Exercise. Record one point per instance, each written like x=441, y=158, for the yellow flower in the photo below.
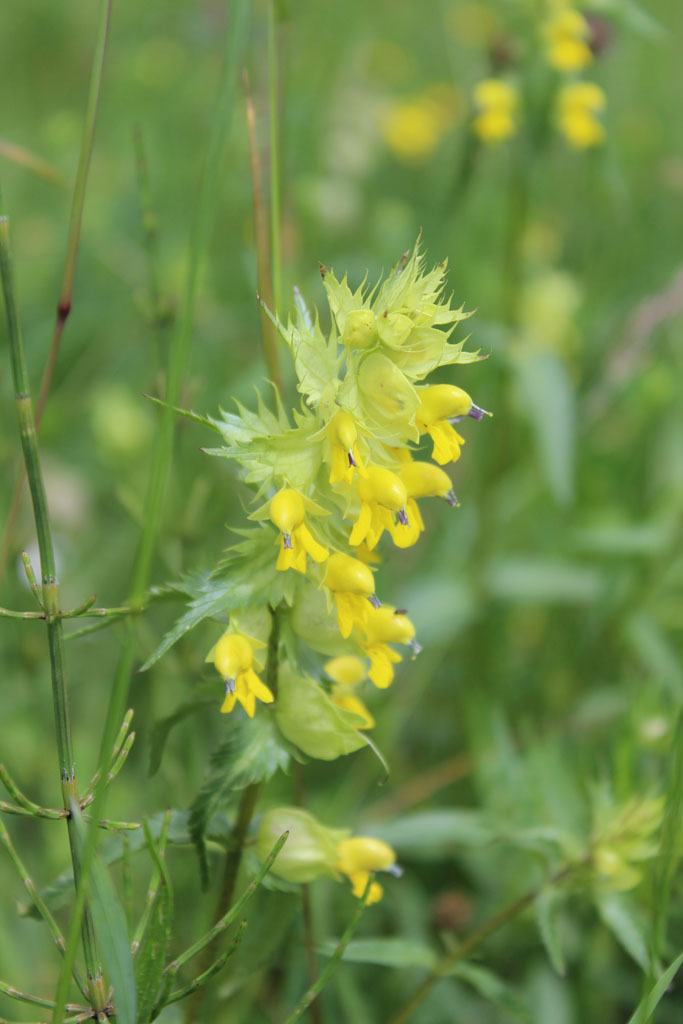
x=412, y=130
x=422, y=480
x=352, y=584
x=233, y=656
x=567, y=34
x=496, y=103
x=439, y=404
x=381, y=494
x=342, y=432
x=361, y=855
x=579, y=105
x=287, y=512
x=348, y=671
x=384, y=626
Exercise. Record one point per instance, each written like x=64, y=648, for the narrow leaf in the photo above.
x=648, y=1004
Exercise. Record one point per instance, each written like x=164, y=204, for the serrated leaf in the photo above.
x=622, y=918
x=648, y=1004
x=251, y=752
x=431, y=834
x=548, y=398
x=545, y=907
x=151, y=957
x=112, y=932
x=384, y=952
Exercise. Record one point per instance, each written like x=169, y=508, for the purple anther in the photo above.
x=287, y=540
x=415, y=647
x=396, y=870
x=452, y=500
x=403, y=518
x=230, y=686
x=477, y=413
x=375, y=601
x=352, y=461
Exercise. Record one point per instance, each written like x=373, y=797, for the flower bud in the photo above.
x=360, y=329
x=347, y=670
x=310, y=850
x=441, y=402
x=382, y=487
x=349, y=575
x=343, y=430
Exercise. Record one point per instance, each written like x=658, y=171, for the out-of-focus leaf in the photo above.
x=548, y=397
x=252, y=752
x=384, y=952
x=493, y=989
x=634, y=16
x=545, y=906
x=671, y=841
x=621, y=916
x=533, y=579
x=656, y=652
x=151, y=956
x=162, y=728
x=623, y=538
x=649, y=1003
x=430, y=834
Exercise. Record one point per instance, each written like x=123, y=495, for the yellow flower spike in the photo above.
x=345, y=458
x=347, y=670
x=361, y=855
x=579, y=105
x=384, y=626
x=438, y=405
x=233, y=656
x=567, y=35
x=381, y=493
x=352, y=584
x=287, y=512
x=496, y=103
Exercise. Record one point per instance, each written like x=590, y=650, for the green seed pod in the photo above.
x=310, y=720
x=310, y=850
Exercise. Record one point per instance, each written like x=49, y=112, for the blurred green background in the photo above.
x=548, y=605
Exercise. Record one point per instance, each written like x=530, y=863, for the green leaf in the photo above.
x=656, y=652
x=648, y=1004
x=545, y=906
x=384, y=952
x=548, y=397
x=151, y=957
x=493, y=989
x=431, y=834
x=162, y=728
x=112, y=932
x=621, y=916
x=252, y=752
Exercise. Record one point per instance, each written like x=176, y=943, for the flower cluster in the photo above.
x=341, y=478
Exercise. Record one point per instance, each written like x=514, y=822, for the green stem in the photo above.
x=462, y=952
x=317, y=987
x=275, y=235
x=50, y=591
x=235, y=37
x=73, y=240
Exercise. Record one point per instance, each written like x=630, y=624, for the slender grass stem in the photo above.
x=160, y=312
x=50, y=593
x=462, y=952
x=206, y=975
x=306, y=909
x=275, y=229
x=316, y=988
x=73, y=241
x=235, y=36
x=23, y=997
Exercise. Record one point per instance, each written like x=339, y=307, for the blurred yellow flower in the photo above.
x=567, y=35
x=496, y=103
x=578, y=107
x=359, y=856
x=348, y=671
x=413, y=129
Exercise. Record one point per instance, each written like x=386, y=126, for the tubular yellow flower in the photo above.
x=437, y=405
x=384, y=626
x=233, y=656
x=567, y=35
x=579, y=105
x=361, y=855
x=381, y=493
x=287, y=512
x=352, y=584
x=496, y=102
x=348, y=671
x=342, y=433
x=422, y=480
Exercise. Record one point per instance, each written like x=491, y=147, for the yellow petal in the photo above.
x=317, y=552
x=228, y=704
x=258, y=688
x=362, y=525
x=381, y=670
x=286, y=558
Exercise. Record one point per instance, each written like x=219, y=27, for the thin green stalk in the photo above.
x=462, y=952
x=317, y=987
x=50, y=591
x=159, y=311
x=306, y=908
x=73, y=240
x=273, y=79
x=235, y=36
x=23, y=997
x=206, y=975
